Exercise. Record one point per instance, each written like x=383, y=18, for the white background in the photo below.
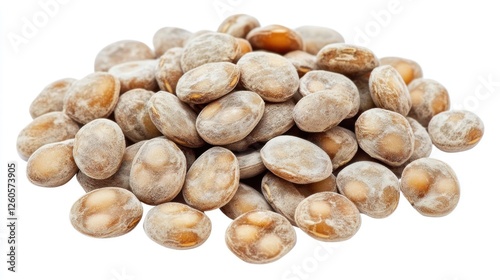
x=455, y=42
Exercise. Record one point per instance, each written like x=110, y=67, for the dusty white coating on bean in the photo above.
x=121, y=51
x=121, y=179
x=431, y=186
x=48, y=128
x=51, y=98
x=230, y=118
x=271, y=76
x=136, y=74
x=319, y=80
x=52, y=165
x=167, y=38
x=212, y=180
x=407, y=68
x=456, y=131
x=316, y=37
x=388, y=90
x=158, y=171
x=209, y=47
x=296, y=160
x=250, y=163
x=245, y=199
x=95, y=96
x=347, y=59
x=385, y=135
x=372, y=187
x=339, y=143
x=99, y=148
x=207, y=82
x=423, y=143
x=365, y=98
x=260, y=236
x=175, y=119
x=177, y=226
x=328, y=216
x=106, y=212
x=429, y=98
x=238, y=25
x=169, y=70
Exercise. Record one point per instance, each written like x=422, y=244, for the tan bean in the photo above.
x=275, y=38
x=260, y=236
x=428, y=98
x=158, y=171
x=106, y=212
x=328, y=216
x=245, y=200
x=51, y=98
x=431, y=186
x=131, y=114
x=245, y=48
x=167, y=38
x=95, y=96
x=322, y=110
x=238, y=25
x=407, y=68
x=385, y=135
x=120, y=52
x=177, y=226
x=372, y=187
x=209, y=47
x=121, y=179
x=270, y=75
x=456, y=131
x=302, y=61
x=423, y=143
x=207, y=82
x=316, y=37
x=212, y=180
x=52, y=165
x=319, y=80
x=389, y=91
x=169, y=70
x=99, y=148
x=230, y=118
x=175, y=119
x=136, y=74
x=48, y=128
x=339, y=143
x=250, y=163
x=296, y=160
x=365, y=98
x=346, y=59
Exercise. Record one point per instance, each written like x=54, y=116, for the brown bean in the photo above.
x=339, y=143
x=169, y=70
x=316, y=37
x=328, y=216
x=212, y=180
x=209, y=47
x=175, y=119
x=245, y=48
x=302, y=61
x=52, y=165
x=158, y=171
x=136, y=74
x=245, y=199
x=230, y=118
x=456, y=131
x=428, y=98
x=431, y=186
x=167, y=38
x=275, y=38
x=120, y=52
x=121, y=179
x=346, y=59
x=99, y=148
x=51, y=98
x=296, y=160
x=95, y=96
x=106, y=212
x=389, y=91
x=177, y=226
x=131, y=114
x=407, y=68
x=48, y=128
x=270, y=75
x=260, y=236
x=207, y=82
x=372, y=187
x=238, y=25
x=385, y=135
